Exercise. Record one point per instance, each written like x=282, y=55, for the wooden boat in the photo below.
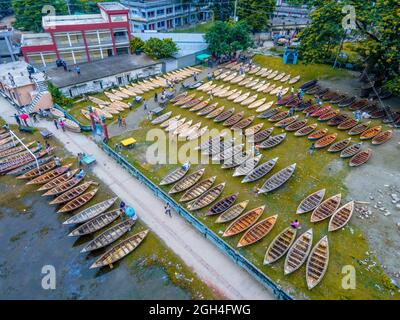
x=230, y=77
x=215, y=113
x=207, y=109
x=278, y=179
x=341, y=217
x=311, y=202
x=192, y=103
x=162, y=118
x=120, y=250
x=326, y=208
x=245, y=81
x=112, y=96
x=14, y=150
x=311, y=109
x=261, y=135
x=238, y=79
x=243, y=222
x=249, y=100
x=247, y=166
x=29, y=166
x=253, y=129
x=252, y=83
x=273, y=141
x=254, y=70
x=257, y=103
x=242, y=97
x=235, y=95
x=243, y=123
x=36, y=172
x=187, y=182
x=263, y=87
x=306, y=130
x=50, y=175
x=318, y=134
x=370, y=133
x=325, y=141
x=358, y=129
x=56, y=113
x=207, y=197
x=200, y=106
x=218, y=147
x=233, y=119
x=317, y=263
x=346, y=102
x=228, y=153
x=360, y=158
x=272, y=75
x=72, y=193
x=10, y=166
x=351, y=150
x=295, y=126
x=61, y=188
x=382, y=137
x=279, y=116
x=258, y=85
x=260, y=171
x=279, y=76
x=189, y=131
x=280, y=245
x=175, y=175
x=285, y=78
x=5, y=140
x=235, y=160
x=276, y=90
x=285, y=122
x=269, y=113
x=298, y=252
x=102, y=112
x=335, y=121
x=20, y=155
x=58, y=181
x=224, y=115
x=182, y=128
x=329, y=115
x=348, y=124
x=265, y=106
x=309, y=84
x=340, y=145
x=183, y=95
x=197, y=133
x=184, y=100
x=294, y=80
x=9, y=145
x=257, y=231
x=320, y=111
x=198, y=189
x=78, y=201
x=95, y=224
x=210, y=142
x=72, y=125
x=222, y=205
x=227, y=93
x=233, y=212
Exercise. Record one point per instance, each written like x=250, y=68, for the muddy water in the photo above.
x=32, y=236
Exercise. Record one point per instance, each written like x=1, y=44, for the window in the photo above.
x=120, y=35
x=178, y=8
x=76, y=39
x=49, y=57
x=118, y=18
x=151, y=26
x=170, y=10
x=91, y=37
x=61, y=39
x=169, y=24
x=160, y=12
x=35, y=60
x=150, y=14
x=80, y=56
x=160, y=24
x=95, y=54
x=178, y=21
x=67, y=56
x=105, y=37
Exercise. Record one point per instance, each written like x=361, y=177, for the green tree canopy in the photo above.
x=255, y=13
x=136, y=44
x=226, y=38
x=222, y=9
x=160, y=48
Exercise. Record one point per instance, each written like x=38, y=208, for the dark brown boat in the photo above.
x=311, y=109
x=261, y=136
x=296, y=125
x=346, y=102
x=326, y=208
x=329, y=115
x=224, y=115
x=357, y=105
x=360, y=158
x=306, y=130
x=243, y=124
x=279, y=116
x=273, y=141
x=351, y=150
x=340, y=145
x=318, y=134
x=233, y=119
x=222, y=205
x=319, y=112
x=360, y=128
x=285, y=122
x=382, y=137
x=338, y=120
x=348, y=124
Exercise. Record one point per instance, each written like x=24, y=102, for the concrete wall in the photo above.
x=99, y=85
x=21, y=96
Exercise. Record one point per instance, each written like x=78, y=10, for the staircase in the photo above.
x=41, y=88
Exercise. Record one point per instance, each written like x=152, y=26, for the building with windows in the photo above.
x=162, y=15
x=78, y=39
x=9, y=50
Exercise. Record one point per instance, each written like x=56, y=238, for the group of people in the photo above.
x=127, y=211
x=59, y=123
x=121, y=121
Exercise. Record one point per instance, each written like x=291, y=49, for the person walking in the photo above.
x=167, y=210
x=291, y=112
x=145, y=105
x=195, y=76
x=119, y=121
x=79, y=158
x=311, y=149
x=155, y=97
x=123, y=122
x=17, y=119
x=55, y=123
x=62, y=125
x=78, y=70
x=292, y=92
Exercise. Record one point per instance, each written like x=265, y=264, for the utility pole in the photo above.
x=235, y=18
x=69, y=9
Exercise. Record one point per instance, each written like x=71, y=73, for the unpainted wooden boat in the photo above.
x=285, y=122
x=311, y=202
x=265, y=107
x=78, y=201
x=340, y=145
x=370, y=133
x=296, y=125
x=351, y=150
x=269, y=113
x=382, y=137
x=184, y=100
x=279, y=116
x=162, y=118
x=318, y=134
x=71, y=125
x=222, y=205
x=120, y=250
x=50, y=175
x=260, y=171
x=253, y=129
x=358, y=129
x=341, y=217
x=276, y=91
x=326, y=208
x=233, y=119
x=218, y=147
x=187, y=182
x=245, y=81
x=10, y=166
x=243, y=123
x=360, y=158
x=286, y=78
x=192, y=103
x=184, y=94
x=36, y=172
x=9, y=145
x=280, y=245
x=29, y=166
x=348, y=124
x=261, y=136
x=14, y=150
x=249, y=100
x=200, y=106
x=247, y=166
x=56, y=113
x=215, y=113
x=175, y=175
x=224, y=115
x=206, y=198
x=244, y=222
x=325, y=141
x=233, y=212
x=228, y=153
x=236, y=160
x=278, y=179
x=257, y=231
x=273, y=141
x=294, y=79
x=198, y=189
x=169, y=121
x=63, y=187
x=317, y=263
x=242, y=97
x=197, y=133
x=72, y=193
x=208, y=109
x=182, y=128
x=298, y=252
x=272, y=75
x=235, y=95
x=59, y=180
x=306, y=130
x=19, y=155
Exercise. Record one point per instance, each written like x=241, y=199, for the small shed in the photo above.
x=290, y=56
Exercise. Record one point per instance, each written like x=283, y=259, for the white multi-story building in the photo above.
x=162, y=15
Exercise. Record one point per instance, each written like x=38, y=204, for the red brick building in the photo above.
x=79, y=38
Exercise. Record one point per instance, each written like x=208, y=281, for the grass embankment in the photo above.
x=322, y=170
x=151, y=252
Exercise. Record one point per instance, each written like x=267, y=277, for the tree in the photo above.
x=5, y=6
x=28, y=13
x=136, y=44
x=160, y=48
x=58, y=97
x=255, y=13
x=222, y=10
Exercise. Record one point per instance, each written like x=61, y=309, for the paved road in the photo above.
x=211, y=265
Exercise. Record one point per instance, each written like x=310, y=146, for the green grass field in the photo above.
x=322, y=170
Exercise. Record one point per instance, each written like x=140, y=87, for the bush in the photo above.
x=58, y=97
x=160, y=48
x=136, y=44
